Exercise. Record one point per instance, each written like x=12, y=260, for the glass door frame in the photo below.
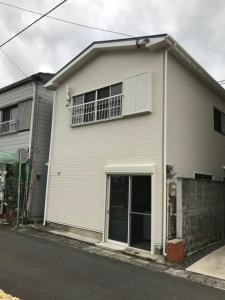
x=107, y=210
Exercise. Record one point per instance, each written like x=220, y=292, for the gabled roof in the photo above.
x=38, y=77
x=95, y=47
x=153, y=42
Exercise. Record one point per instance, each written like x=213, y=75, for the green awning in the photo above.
x=7, y=158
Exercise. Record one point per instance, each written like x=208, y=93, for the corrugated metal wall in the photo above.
x=40, y=147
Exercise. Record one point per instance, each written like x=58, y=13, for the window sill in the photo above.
x=97, y=122
x=8, y=133
x=139, y=113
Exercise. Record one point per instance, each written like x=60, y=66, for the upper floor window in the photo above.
x=219, y=121
x=97, y=105
x=9, y=117
x=15, y=118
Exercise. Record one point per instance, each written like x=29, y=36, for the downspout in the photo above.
x=49, y=160
x=32, y=117
x=164, y=153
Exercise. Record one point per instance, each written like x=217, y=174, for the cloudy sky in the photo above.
x=198, y=25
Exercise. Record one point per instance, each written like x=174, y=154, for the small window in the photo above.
x=9, y=118
x=203, y=176
x=219, y=121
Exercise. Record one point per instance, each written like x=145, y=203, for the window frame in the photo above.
x=95, y=104
x=217, y=117
x=9, y=109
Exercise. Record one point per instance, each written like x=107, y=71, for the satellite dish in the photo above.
x=22, y=155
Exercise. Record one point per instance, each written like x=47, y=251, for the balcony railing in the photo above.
x=7, y=127
x=98, y=110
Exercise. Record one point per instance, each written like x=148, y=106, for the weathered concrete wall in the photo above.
x=203, y=213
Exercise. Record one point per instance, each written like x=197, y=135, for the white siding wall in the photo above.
x=76, y=196
x=192, y=143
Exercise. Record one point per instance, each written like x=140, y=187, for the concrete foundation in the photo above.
x=77, y=231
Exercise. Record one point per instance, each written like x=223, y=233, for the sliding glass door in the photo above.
x=118, y=208
x=129, y=218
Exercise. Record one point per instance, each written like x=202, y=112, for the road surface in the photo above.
x=33, y=269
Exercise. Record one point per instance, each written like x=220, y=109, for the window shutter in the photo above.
x=217, y=120
x=24, y=115
x=137, y=91
x=14, y=113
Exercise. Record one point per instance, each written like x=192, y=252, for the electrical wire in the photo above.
x=42, y=16
x=66, y=21
x=13, y=62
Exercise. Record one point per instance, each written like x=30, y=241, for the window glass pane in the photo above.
x=118, y=210
x=6, y=115
x=103, y=93
x=89, y=97
x=116, y=89
x=103, y=109
x=77, y=100
x=222, y=118
x=141, y=194
x=89, y=112
x=203, y=176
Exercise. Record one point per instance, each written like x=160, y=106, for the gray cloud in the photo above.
x=48, y=45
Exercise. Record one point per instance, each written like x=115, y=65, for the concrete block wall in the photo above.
x=203, y=213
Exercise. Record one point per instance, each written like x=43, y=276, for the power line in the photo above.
x=10, y=59
x=42, y=16
x=66, y=21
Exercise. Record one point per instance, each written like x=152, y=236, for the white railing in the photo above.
x=102, y=109
x=9, y=126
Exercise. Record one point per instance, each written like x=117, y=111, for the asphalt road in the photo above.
x=36, y=269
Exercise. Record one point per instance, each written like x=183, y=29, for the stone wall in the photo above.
x=203, y=213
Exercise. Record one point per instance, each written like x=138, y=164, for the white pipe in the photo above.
x=164, y=194
x=32, y=117
x=49, y=160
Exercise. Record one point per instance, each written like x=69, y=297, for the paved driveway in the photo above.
x=34, y=269
x=212, y=265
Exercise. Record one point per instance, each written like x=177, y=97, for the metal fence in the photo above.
x=9, y=126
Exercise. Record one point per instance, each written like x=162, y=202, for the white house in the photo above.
x=124, y=110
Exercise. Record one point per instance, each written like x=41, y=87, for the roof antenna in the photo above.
x=143, y=43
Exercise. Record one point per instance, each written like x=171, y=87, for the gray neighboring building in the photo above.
x=25, y=122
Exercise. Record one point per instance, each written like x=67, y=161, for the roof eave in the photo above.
x=97, y=47
x=181, y=53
